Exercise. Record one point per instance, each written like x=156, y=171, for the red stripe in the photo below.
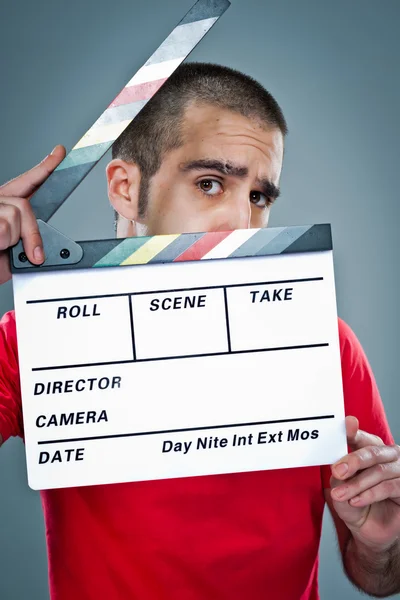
x=134, y=93
x=203, y=245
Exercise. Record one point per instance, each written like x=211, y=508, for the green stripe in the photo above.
x=121, y=252
x=84, y=155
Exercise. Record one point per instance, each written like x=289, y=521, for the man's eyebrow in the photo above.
x=268, y=188
x=227, y=168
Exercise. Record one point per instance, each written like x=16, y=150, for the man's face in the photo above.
x=225, y=176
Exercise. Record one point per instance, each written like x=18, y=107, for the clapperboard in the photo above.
x=174, y=355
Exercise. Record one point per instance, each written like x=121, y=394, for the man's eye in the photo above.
x=259, y=199
x=211, y=187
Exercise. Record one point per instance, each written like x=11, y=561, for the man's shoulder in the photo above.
x=8, y=337
x=8, y=319
x=346, y=334
x=350, y=346
x=10, y=393
x=361, y=395
x=7, y=326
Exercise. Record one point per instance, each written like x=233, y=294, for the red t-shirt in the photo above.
x=244, y=535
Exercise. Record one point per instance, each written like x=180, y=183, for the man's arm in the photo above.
x=17, y=220
x=365, y=505
x=367, y=514
x=374, y=571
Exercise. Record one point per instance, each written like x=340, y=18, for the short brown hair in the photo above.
x=157, y=128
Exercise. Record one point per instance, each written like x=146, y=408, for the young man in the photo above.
x=205, y=154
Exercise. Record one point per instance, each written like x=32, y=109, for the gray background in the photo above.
x=334, y=69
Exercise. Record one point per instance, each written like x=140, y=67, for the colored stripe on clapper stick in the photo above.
x=202, y=246
x=124, y=108
x=150, y=249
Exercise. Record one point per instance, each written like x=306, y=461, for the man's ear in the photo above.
x=123, y=180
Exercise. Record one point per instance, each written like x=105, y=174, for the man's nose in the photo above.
x=234, y=213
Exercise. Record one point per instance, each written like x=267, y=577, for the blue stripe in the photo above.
x=283, y=240
x=205, y=9
x=57, y=188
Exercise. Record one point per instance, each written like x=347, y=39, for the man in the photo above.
x=206, y=154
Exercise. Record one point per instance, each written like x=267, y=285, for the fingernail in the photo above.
x=339, y=492
x=355, y=499
x=54, y=149
x=341, y=469
x=38, y=254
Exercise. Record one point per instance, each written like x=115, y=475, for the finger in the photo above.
x=5, y=234
x=382, y=491
x=31, y=238
x=9, y=225
x=28, y=230
x=357, y=438
x=5, y=272
x=365, y=480
x=364, y=458
x=24, y=185
x=352, y=426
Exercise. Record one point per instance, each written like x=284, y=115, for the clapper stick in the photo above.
x=59, y=249
x=64, y=253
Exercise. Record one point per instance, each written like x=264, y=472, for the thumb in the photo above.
x=24, y=185
x=352, y=427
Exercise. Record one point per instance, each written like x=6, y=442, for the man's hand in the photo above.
x=366, y=489
x=17, y=219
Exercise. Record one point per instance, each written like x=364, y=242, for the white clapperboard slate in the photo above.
x=193, y=354
x=173, y=356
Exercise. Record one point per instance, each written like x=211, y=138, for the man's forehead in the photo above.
x=204, y=122
x=211, y=116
